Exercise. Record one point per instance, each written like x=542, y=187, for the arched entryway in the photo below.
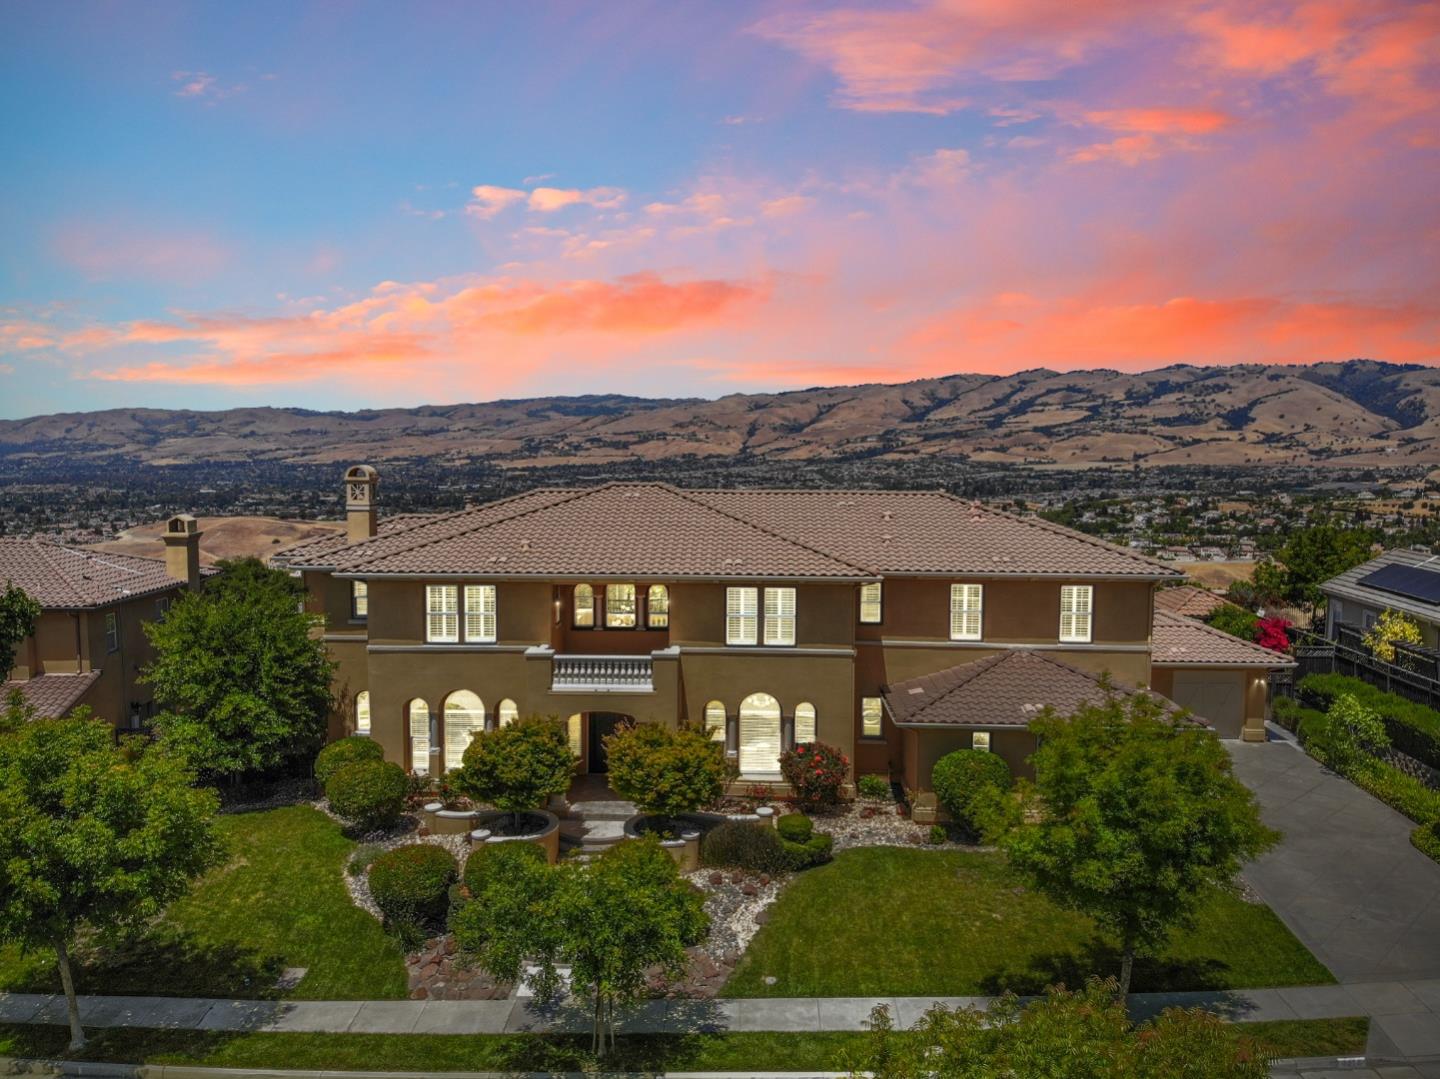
x=599, y=725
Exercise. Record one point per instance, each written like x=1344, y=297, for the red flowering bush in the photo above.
x=816, y=772
x=1270, y=633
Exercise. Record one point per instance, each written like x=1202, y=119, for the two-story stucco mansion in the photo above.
x=896, y=625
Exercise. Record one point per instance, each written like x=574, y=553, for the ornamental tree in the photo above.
x=517, y=767
x=1062, y=1035
x=663, y=771
x=96, y=834
x=1134, y=818
x=816, y=773
x=244, y=683
x=19, y=612
x=610, y=922
x=1390, y=629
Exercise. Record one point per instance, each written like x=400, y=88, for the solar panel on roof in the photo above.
x=1410, y=581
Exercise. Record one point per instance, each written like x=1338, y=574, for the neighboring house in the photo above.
x=1188, y=600
x=1405, y=580
x=769, y=617
x=89, y=646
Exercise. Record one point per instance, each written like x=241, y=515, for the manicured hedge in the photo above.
x=960, y=776
x=368, y=793
x=1413, y=728
x=1294, y=716
x=1399, y=791
x=411, y=884
x=796, y=827
x=761, y=849
x=345, y=751
x=1426, y=840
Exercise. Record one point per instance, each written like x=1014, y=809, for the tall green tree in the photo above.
x=609, y=922
x=244, y=681
x=1314, y=554
x=1062, y=1035
x=96, y=834
x=1134, y=818
x=19, y=612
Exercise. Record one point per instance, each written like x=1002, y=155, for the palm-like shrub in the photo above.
x=665, y=771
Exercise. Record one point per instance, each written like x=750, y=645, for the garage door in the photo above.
x=1219, y=698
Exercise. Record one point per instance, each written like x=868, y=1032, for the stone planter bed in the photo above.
x=538, y=826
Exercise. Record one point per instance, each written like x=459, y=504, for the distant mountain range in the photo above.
x=1360, y=413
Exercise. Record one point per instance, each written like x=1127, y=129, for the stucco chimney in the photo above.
x=182, y=549
x=360, y=484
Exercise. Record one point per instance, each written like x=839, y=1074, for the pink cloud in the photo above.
x=116, y=248
x=549, y=199
x=487, y=200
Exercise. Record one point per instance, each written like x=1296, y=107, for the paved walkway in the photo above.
x=1347, y=882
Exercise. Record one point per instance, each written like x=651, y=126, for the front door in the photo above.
x=602, y=724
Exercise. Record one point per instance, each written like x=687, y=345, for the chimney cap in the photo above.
x=182, y=524
x=361, y=472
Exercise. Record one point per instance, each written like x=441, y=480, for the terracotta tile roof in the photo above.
x=1180, y=641
x=1186, y=599
x=52, y=695
x=620, y=529
x=656, y=529
x=1005, y=690
x=320, y=551
x=900, y=532
x=74, y=577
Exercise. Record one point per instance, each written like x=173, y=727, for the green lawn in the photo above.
x=279, y=901
x=887, y=921
x=532, y=1052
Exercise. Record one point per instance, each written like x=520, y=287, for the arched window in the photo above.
x=362, y=712
x=418, y=714
x=657, y=607
x=464, y=715
x=507, y=713
x=804, y=723
x=584, y=612
x=760, y=735
x=715, y=721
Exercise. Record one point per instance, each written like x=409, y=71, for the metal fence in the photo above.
x=1415, y=674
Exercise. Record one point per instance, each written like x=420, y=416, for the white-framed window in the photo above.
x=112, y=631
x=872, y=604
x=620, y=606
x=742, y=615
x=359, y=600
x=419, y=713
x=162, y=608
x=760, y=735
x=362, y=712
x=583, y=611
x=871, y=713
x=480, y=623
x=780, y=616
x=442, y=613
x=507, y=713
x=967, y=603
x=715, y=721
x=980, y=740
x=1077, y=608
x=804, y=722
x=657, y=607
x=464, y=715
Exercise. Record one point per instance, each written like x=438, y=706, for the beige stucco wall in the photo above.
x=1254, y=694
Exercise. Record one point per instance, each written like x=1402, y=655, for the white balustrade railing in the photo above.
x=602, y=674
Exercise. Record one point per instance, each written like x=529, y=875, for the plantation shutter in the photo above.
x=442, y=613
x=715, y=721
x=1076, y=607
x=804, y=723
x=871, y=606
x=464, y=715
x=362, y=712
x=966, y=602
x=779, y=616
x=760, y=735
x=419, y=737
x=741, y=616
x=480, y=613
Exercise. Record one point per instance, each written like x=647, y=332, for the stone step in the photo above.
x=592, y=835
x=616, y=810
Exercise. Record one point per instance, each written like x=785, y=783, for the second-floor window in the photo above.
x=442, y=613
x=480, y=621
x=359, y=600
x=583, y=616
x=112, y=632
x=620, y=606
x=657, y=607
x=1077, y=607
x=742, y=616
x=779, y=616
x=871, y=604
x=966, y=611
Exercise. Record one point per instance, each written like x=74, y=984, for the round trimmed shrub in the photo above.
x=411, y=884
x=665, y=772
x=488, y=859
x=960, y=776
x=812, y=851
x=744, y=845
x=369, y=794
x=796, y=827
x=873, y=788
x=345, y=751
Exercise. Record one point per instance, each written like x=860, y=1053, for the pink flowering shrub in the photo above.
x=816, y=772
x=1270, y=633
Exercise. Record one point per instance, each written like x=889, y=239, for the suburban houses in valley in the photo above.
x=895, y=625
x=88, y=647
